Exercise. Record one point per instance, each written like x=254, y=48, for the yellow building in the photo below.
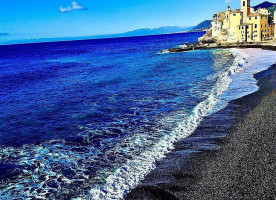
x=245, y=33
x=244, y=25
x=236, y=18
x=257, y=23
x=271, y=32
x=274, y=18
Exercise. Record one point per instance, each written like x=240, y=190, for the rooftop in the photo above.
x=218, y=20
x=237, y=11
x=254, y=15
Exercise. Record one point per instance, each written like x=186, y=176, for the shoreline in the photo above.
x=187, y=175
x=191, y=47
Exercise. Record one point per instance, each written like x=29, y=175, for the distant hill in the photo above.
x=156, y=31
x=4, y=34
x=202, y=26
x=265, y=4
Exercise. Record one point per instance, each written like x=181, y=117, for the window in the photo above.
x=255, y=25
x=234, y=14
x=256, y=17
x=249, y=18
x=243, y=3
x=240, y=28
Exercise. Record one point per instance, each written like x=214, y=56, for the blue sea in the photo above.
x=91, y=118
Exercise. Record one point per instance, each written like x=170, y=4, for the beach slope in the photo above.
x=242, y=168
x=245, y=167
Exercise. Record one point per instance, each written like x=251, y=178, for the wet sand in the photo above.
x=231, y=155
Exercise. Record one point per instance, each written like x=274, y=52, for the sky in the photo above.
x=66, y=18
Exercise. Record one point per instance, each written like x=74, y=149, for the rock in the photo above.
x=205, y=39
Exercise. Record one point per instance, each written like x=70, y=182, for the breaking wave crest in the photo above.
x=130, y=174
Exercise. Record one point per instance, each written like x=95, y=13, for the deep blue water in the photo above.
x=73, y=112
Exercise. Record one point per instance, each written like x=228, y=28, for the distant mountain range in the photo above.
x=4, y=34
x=265, y=4
x=202, y=26
x=139, y=32
x=166, y=30
x=156, y=31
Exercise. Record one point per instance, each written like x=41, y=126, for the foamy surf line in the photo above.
x=129, y=175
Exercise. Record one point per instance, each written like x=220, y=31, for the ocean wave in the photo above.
x=258, y=60
x=130, y=174
x=61, y=166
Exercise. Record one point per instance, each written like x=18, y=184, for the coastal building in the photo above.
x=274, y=25
x=245, y=9
x=236, y=18
x=244, y=25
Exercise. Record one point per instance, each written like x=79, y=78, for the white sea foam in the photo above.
x=182, y=46
x=130, y=174
x=164, y=51
x=243, y=81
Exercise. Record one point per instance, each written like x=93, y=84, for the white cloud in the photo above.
x=228, y=1
x=74, y=6
x=77, y=6
x=63, y=10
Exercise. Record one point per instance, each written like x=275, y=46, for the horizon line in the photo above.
x=42, y=42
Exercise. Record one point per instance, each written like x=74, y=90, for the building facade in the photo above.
x=245, y=9
x=244, y=25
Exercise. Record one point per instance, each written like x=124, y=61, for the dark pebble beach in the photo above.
x=231, y=155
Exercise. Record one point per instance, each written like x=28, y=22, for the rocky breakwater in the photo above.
x=189, y=47
x=204, y=42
